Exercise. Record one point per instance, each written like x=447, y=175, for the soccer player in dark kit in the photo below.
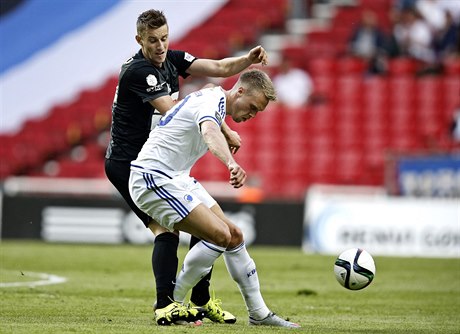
x=148, y=86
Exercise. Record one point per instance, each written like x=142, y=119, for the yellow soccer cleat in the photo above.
x=215, y=313
x=176, y=313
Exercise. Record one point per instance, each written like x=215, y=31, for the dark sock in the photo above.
x=164, y=264
x=200, y=292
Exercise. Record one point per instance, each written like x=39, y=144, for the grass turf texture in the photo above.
x=110, y=290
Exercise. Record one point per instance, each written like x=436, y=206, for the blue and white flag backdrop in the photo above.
x=51, y=50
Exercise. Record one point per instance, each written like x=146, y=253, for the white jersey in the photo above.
x=176, y=143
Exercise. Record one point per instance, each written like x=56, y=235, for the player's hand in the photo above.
x=233, y=140
x=258, y=55
x=237, y=175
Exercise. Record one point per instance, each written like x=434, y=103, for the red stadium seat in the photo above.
x=323, y=36
x=321, y=118
x=402, y=90
x=452, y=66
x=382, y=8
x=349, y=90
x=203, y=50
x=322, y=167
x=350, y=166
x=318, y=44
x=87, y=169
x=351, y=65
x=347, y=16
x=374, y=167
x=375, y=100
x=341, y=37
x=322, y=66
x=429, y=89
x=349, y=135
x=273, y=11
x=402, y=67
x=297, y=55
x=450, y=92
x=10, y=158
x=324, y=86
x=381, y=5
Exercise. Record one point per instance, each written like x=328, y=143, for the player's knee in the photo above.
x=237, y=237
x=223, y=237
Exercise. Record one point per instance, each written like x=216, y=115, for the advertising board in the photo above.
x=336, y=220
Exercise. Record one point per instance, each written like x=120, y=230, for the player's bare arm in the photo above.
x=228, y=66
x=224, y=68
x=232, y=137
x=219, y=148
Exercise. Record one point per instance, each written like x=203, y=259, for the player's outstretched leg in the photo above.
x=201, y=298
x=243, y=271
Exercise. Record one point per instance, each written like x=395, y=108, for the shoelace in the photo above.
x=178, y=310
x=217, y=302
x=217, y=309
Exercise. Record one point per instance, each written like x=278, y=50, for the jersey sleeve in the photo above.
x=182, y=60
x=148, y=84
x=212, y=107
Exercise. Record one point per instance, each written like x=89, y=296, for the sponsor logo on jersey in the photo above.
x=188, y=57
x=157, y=88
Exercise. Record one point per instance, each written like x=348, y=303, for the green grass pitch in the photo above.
x=110, y=289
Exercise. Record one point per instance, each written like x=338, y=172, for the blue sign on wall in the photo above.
x=434, y=176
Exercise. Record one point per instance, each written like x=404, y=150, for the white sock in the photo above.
x=197, y=264
x=243, y=271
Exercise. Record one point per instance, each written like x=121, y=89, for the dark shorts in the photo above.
x=118, y=174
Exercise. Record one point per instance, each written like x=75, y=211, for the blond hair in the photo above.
x=255, y=79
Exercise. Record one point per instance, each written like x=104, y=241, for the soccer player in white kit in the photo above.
x=160, y=185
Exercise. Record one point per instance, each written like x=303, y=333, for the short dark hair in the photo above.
x=150, y=19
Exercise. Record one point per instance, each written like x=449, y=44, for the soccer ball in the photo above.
x=354, y=269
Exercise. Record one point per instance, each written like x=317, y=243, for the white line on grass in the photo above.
x=45, y=279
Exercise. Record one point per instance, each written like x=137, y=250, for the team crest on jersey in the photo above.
x=218, y=117
x=188, y=198
x=188, y=57
x=220, y=113
x=151, y=80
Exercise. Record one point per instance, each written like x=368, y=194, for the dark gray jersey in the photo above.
x=140, y=82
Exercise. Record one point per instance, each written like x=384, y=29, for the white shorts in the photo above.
x=167, y=199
